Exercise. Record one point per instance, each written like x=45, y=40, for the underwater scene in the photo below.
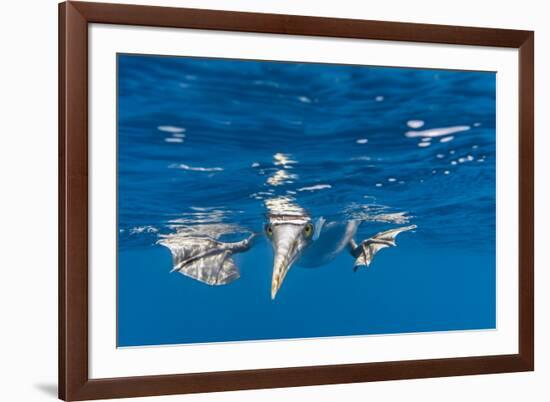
x=265, y=200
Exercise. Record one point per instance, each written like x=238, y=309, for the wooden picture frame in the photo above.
x=74, y=381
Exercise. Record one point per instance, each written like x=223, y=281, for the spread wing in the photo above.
x=365, y=252
x=205, y=259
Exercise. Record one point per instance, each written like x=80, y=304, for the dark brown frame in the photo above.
x=74, y=383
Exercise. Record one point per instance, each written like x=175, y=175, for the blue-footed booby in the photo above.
x=295, y=238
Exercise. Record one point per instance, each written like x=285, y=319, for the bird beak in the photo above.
x=287, y=247
x=280, y=268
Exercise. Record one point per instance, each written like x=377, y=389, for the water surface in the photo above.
x=213, y=145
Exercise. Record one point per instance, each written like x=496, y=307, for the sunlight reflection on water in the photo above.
x=256, y=137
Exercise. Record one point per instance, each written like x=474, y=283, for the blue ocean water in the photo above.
x=211, y=143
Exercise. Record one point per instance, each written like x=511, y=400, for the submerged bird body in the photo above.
x=332, y=239
x=295, y=238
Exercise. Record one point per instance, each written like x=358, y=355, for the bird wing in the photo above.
x=365, y=252
x=205, y=259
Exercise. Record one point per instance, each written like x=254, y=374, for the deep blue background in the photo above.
x=237, y=115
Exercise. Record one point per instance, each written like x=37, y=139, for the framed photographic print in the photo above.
x=256, y=201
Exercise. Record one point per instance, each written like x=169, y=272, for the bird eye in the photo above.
x=269, y=230
x=308, y=229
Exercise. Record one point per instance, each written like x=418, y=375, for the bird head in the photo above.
x=289, y=236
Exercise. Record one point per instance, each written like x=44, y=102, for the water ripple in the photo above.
x=237, y=139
